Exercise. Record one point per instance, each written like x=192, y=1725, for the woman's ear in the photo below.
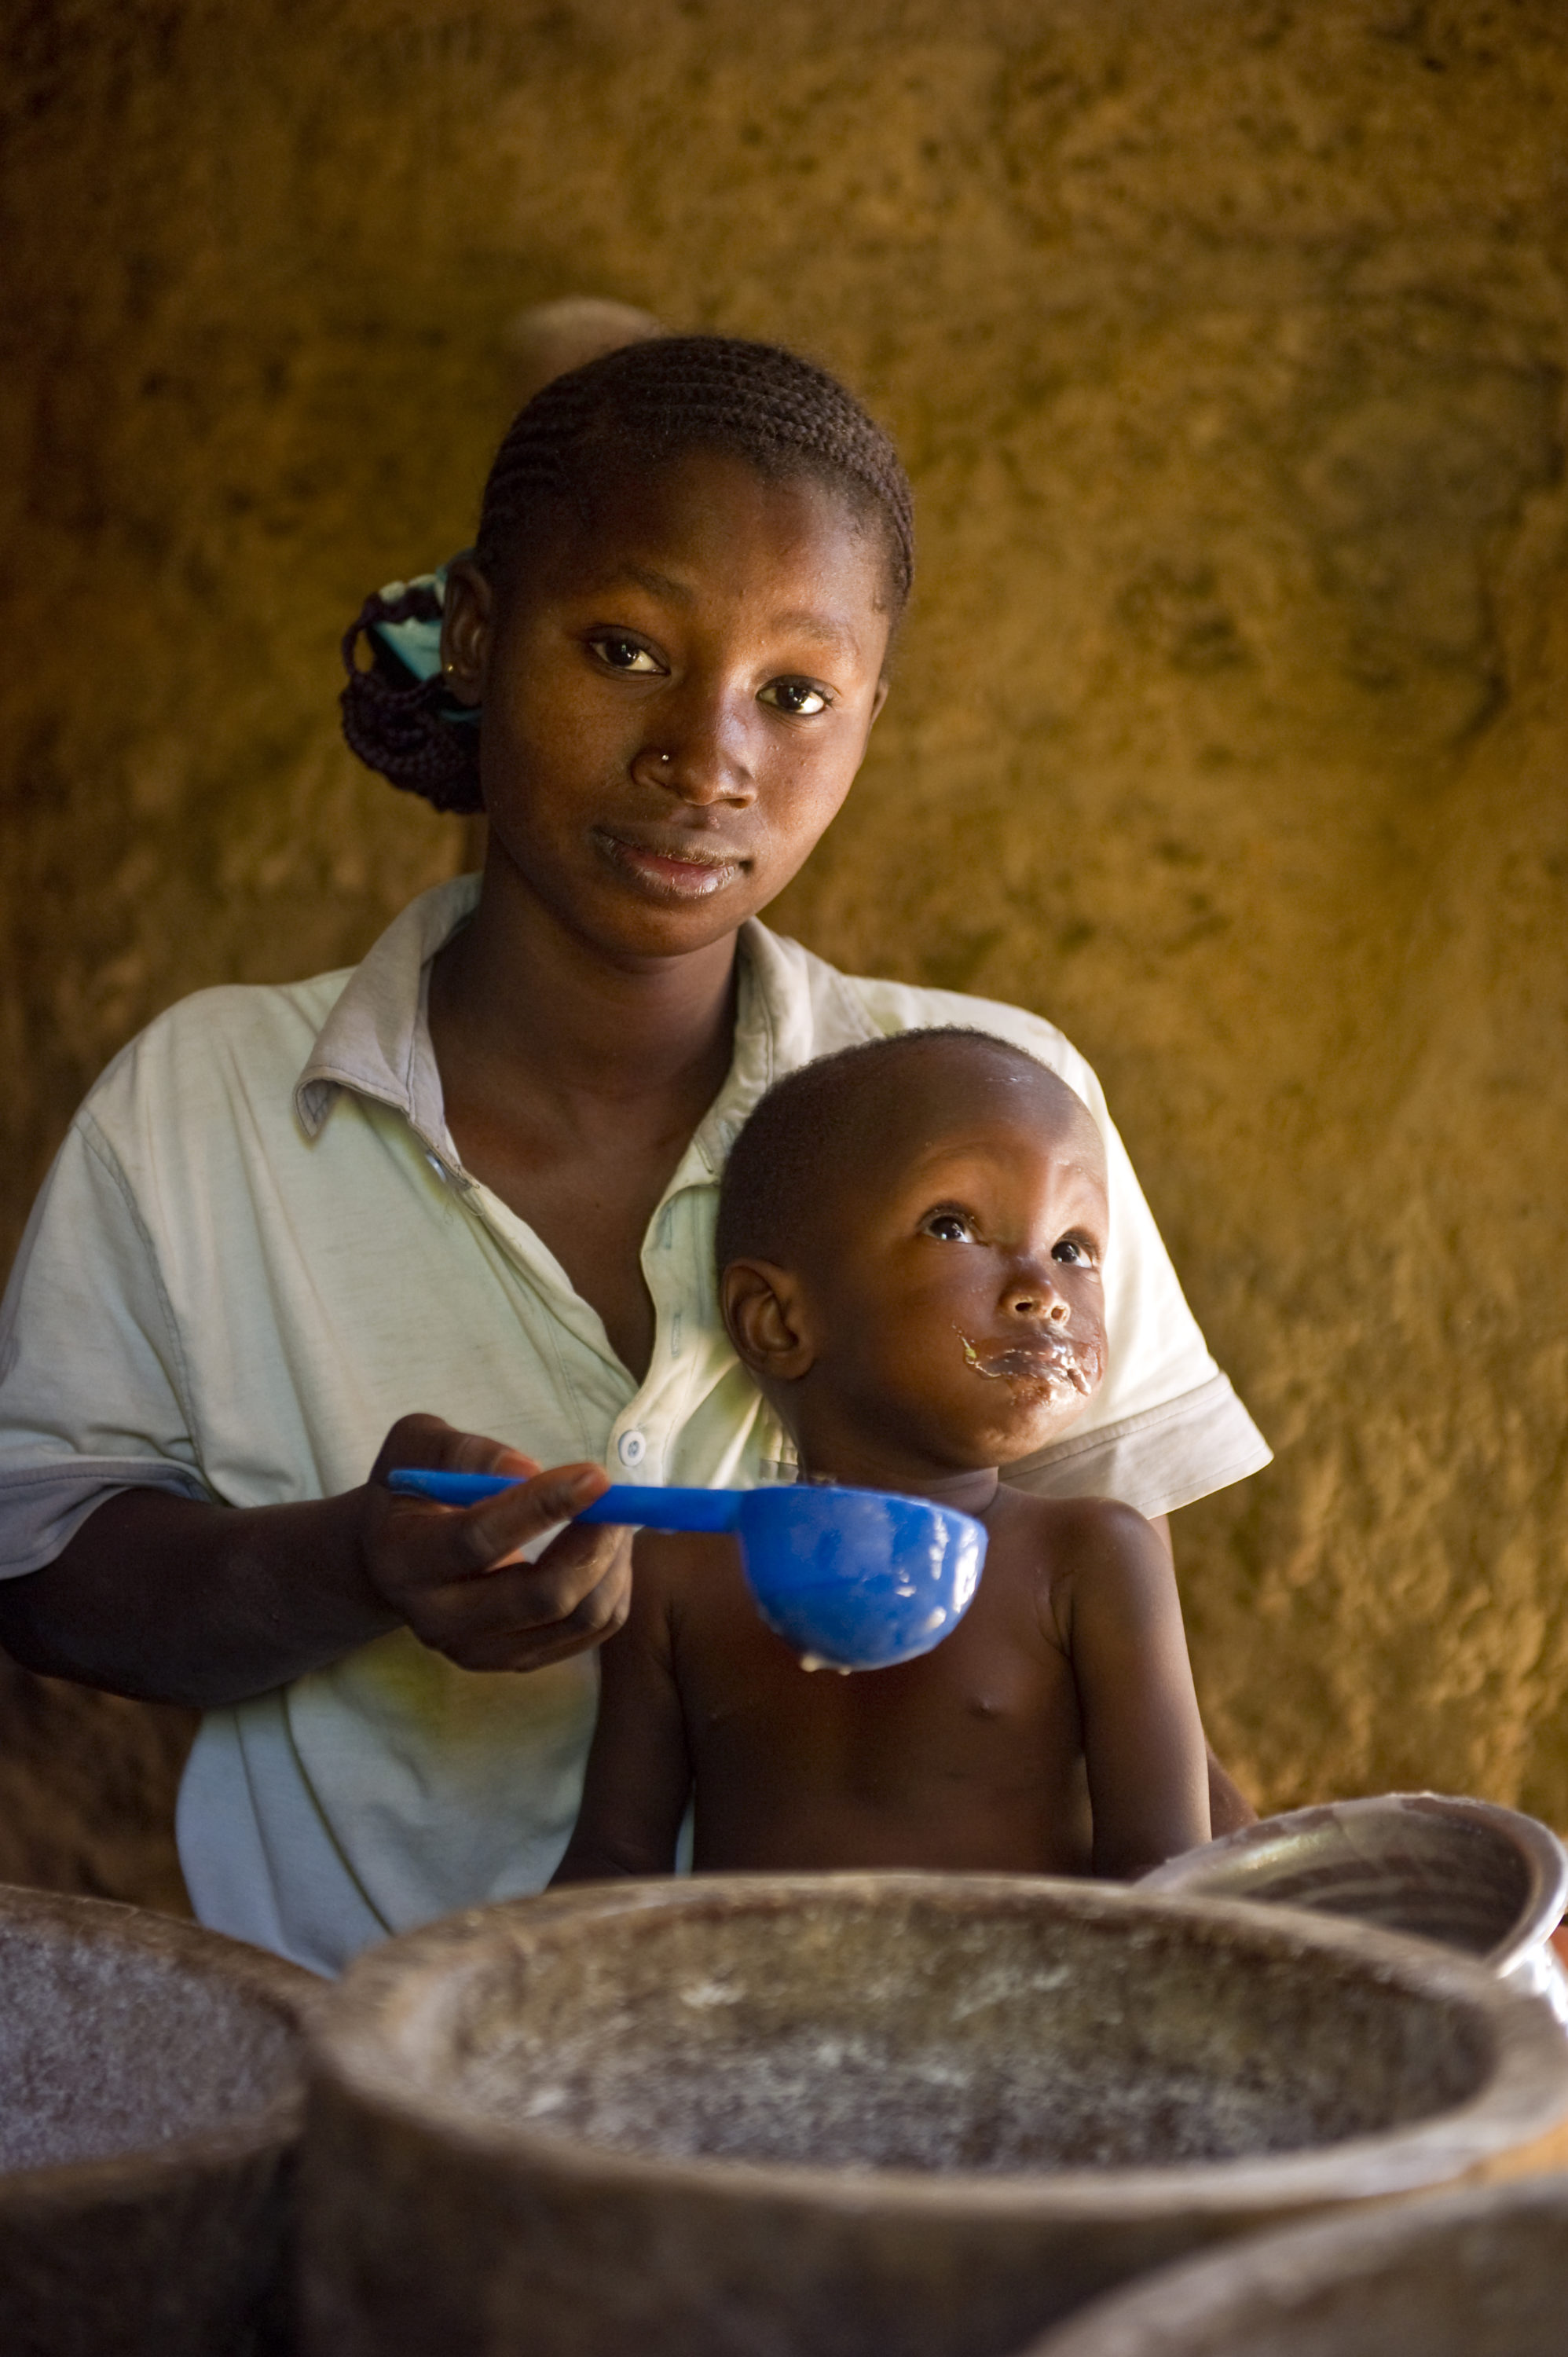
x=466, y=620
x=766, y=1316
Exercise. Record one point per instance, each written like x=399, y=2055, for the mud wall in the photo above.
x=1225, y=342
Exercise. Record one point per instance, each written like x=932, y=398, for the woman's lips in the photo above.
x=679, y=870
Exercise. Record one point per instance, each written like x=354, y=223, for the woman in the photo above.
x=476, y=1176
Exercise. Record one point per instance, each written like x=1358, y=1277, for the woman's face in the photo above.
x=676, y=699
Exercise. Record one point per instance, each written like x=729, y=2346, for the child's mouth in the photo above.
x=1050, y=1361
x=682, y=873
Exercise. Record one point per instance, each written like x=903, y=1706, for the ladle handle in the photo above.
x=640, y=1509
x=652, y=1509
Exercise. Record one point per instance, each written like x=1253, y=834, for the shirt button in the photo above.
x=632, y=1447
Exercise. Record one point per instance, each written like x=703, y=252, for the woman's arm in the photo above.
x=1119, y=1615
x=639, y=1771
x=172, y=1600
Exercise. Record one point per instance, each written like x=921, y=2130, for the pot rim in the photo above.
x=1178, y=2307
x=285, y=1990
x=1524, y=2097
x=1545, y=1858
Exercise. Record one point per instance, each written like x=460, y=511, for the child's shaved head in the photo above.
x=847, y=1119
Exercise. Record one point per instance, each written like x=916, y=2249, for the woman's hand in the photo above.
x=178, y=1601
x=457, y=1574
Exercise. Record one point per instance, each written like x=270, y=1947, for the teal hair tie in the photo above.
x=416, y=643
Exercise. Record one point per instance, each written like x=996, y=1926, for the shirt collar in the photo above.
x=790, y=1007
x=376, y=1041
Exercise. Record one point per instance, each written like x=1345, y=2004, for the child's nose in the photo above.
x=1033, y=1293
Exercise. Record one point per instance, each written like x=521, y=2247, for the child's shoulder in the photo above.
x=1069, y=1535
x=1071, y=1517
x=692, y=1568
x=1084, y=1556
x=667, y=1555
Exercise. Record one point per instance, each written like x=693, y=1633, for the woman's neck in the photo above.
x=573, y=1082
x=530, y=999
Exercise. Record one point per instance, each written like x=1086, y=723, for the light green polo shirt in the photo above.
x=258, y=1248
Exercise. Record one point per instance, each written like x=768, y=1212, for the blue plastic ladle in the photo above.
x=851, y=1580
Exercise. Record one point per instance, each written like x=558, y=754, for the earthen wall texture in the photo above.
x=1225, y=342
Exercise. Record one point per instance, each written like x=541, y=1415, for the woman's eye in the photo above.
x=1068, y=1248
x=624, y=655
x=796, y=696
x=948, y=1228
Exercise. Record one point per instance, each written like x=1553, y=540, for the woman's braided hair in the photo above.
x=641, y=405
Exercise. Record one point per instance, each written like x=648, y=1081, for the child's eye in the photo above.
x=1070, y=1249
x=947, y=1227
x=625, y=655
x=796, y=696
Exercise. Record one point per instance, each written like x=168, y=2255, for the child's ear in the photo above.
x=766, y=1317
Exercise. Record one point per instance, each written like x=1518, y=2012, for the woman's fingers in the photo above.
x=495, y=1530
x=529, y=1615
x=419, y=1545
x=456, y=1575
x=436, y=1445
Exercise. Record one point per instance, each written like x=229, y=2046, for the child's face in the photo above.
x=956, y=1317
x=677, y=697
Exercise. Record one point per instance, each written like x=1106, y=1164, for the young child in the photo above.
x=911, y=1235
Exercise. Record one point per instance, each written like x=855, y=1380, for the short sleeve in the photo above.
x=92, y=1393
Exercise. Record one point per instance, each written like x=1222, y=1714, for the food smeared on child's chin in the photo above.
x=1053, y=1366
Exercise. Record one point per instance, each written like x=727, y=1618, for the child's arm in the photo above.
x=1118, y=1613
x=639, y=1770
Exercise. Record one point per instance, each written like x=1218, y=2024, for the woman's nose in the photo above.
x=699, y=751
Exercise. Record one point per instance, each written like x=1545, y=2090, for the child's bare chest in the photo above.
x=995, y=1702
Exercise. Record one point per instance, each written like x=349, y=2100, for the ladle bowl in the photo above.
x=851, y=1580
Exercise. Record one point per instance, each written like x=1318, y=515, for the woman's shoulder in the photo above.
x=907, y=1007
x=847, y=1006
x=247, y=1038
x=250, y=1039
